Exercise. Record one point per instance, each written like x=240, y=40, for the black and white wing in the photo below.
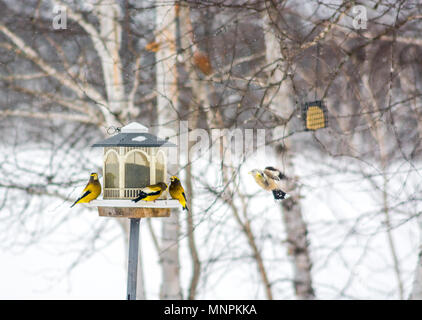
x=279, y=182
x=274, y=173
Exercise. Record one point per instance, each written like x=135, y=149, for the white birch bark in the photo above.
x=416, y=293
x=185, y=30
x=108, y=46
x=107, y=42
x=281, y=103
x=108, y=12
x=167, y=99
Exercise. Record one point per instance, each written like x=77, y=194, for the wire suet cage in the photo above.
x=315, y=115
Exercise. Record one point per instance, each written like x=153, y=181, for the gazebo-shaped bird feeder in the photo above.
x=133, y=159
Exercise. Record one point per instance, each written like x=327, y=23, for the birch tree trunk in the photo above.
x=109, y=14
x=280, y=103
x=379, y=132
x=107, y=43
x=185, y=46
x=416, y=293
x=167, y=100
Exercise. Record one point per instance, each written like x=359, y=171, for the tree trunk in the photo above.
x=298, y=245
x=279, y=101
x=167, y=101
x=187, y=111
x=416, y=293
x=109, y=13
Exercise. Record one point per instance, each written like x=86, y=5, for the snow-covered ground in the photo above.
x=349, y=247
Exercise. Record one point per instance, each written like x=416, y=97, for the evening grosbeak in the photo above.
x=271, y=179
x=151, y=193
x=91, y=191
x=177, y=192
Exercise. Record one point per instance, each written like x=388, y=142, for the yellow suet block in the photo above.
x=315, y=118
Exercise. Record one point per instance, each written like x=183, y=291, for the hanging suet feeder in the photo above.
x=315, y=115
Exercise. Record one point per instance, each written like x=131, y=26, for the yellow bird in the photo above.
x=91, y=191
x=151, y=193
x=177, y=192
x=271, y=179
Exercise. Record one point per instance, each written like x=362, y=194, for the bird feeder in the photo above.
x=133, y=159
x=315, y=115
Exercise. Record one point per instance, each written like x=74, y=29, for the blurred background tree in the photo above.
x=351, y=223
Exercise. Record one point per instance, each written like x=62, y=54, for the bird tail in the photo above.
x=279, y=194
x=75, y=202
x=186, y=208
x=80, y=198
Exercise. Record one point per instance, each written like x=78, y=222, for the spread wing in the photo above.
x=274, y=174
x=271, y=174
x=276, y=178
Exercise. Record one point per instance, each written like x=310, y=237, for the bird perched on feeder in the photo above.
x=177, y=192
x=91, y=191
x=151, y=193
x=270, y=179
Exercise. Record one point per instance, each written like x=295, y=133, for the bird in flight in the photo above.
x=271, y=179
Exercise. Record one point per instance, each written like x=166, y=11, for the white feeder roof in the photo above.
x=134, y=127
x=134, y=135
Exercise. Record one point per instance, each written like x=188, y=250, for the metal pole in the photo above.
x=133, y=259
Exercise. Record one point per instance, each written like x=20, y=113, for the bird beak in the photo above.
x=250, y=172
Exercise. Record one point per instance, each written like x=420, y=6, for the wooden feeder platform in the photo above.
x=121, y=208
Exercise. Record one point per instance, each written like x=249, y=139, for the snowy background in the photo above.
x=71, y=72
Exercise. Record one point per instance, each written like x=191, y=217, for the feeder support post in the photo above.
x=133, y=258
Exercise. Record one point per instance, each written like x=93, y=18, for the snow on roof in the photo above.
x=134, y=127
x=134, y=135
